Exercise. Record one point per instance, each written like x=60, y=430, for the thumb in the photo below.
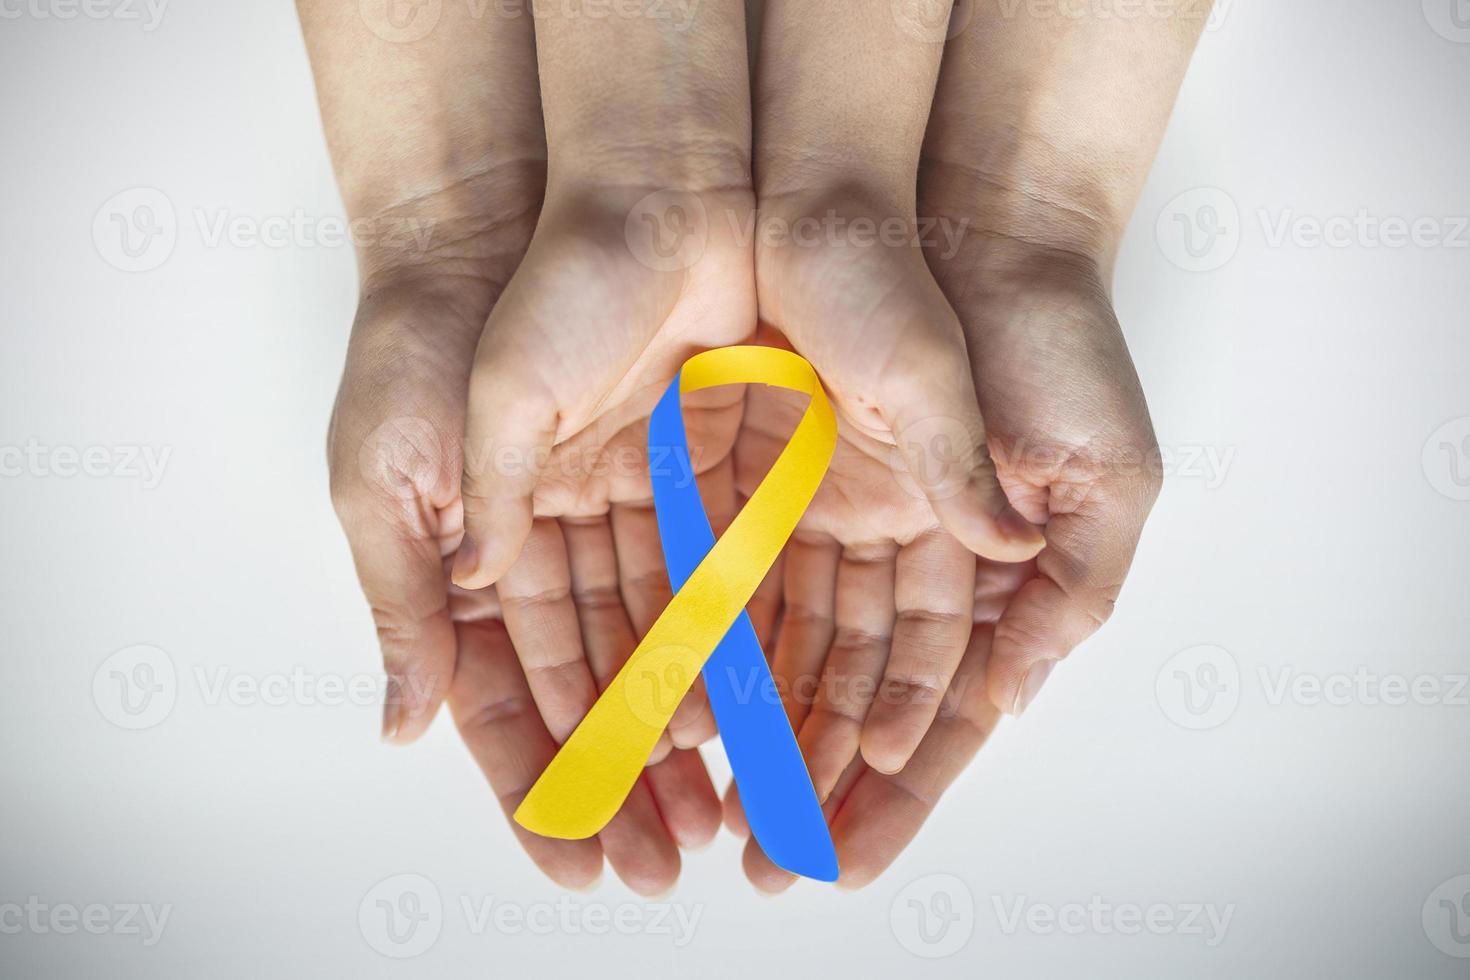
x=509, y=431
x=387, y=497
x=929, y=400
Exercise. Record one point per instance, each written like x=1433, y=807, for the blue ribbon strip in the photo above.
x=775, y=788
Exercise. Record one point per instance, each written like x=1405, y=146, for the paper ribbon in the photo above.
x=587, y=781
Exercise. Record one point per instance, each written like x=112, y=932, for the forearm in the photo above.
x=842, y=97
x=645, y=97
x=437, y=144
x=1044, y=125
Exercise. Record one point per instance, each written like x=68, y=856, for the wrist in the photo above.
x=695, y=158
x=1018, y=210
x=471, y=225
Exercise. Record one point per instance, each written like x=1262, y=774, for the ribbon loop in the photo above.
x=705, y=627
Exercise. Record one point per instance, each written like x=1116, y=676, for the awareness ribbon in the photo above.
x=705, y=626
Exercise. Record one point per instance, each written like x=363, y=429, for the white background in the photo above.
x=1331, y=543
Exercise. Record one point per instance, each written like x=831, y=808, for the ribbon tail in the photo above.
x=776, y=790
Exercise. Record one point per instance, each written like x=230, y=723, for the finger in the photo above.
x=934, y=590
x=638, y=845
x=883, y=813
x=763, y=873
x=645, y=586
x=996, y=583
x=541, y=618
x=734, y=812
x=1089, y=548
x=607, y=634
x=686, y=798
x=929, y=399
x=693, y=722
x=501, y=727
x=830, y=735
x=396, y=550
x=765, y=606
x=808, y=620
x=510, y=427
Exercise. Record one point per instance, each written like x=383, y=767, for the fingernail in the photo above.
x=1017, y=528
x=466, y=562
x=392, y=709
x=1031, y=686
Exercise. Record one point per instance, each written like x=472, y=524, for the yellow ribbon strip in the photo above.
x=589, y=778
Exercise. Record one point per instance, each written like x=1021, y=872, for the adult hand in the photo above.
x=1043, y=189
x=880, y=577
x=447, y=197
x=636, y=264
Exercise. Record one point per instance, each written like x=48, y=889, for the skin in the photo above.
x=982, y=393
x=1042, y=164
x=410, y=140
x=595, y=323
